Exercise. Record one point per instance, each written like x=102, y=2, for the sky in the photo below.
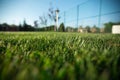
x=15, y=11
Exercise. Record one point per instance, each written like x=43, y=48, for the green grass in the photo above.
x=59, y=56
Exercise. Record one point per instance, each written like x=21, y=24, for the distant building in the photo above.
x=93, y=30
x=116, y=29
x=102, y=30
x=82, y=30
x=70, y=29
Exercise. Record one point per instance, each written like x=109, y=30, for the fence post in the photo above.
x=64, y=18
x=77, y=15
x=99, y=18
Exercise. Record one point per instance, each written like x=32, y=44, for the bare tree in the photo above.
x=52, y=16
x=36, y=23
x=43, y=20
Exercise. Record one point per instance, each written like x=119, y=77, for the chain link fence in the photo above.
x=91, y=13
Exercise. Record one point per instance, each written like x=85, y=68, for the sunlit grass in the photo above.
x=61, y=56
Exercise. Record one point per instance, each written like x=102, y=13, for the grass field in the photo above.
x=59, y=56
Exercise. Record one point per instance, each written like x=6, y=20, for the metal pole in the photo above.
x=99, y=18
x=57, y=11
x=64, y=18
x=77, y=15
x=56, y=20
